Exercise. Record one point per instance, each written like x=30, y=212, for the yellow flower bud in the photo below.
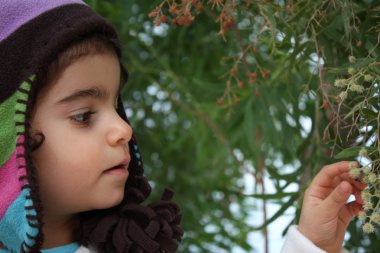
x=352, y=165
x=362, y=216
x=363, y=152
x=352, y=59
x=355, y=173
x=372, y=177
x=367, y=205
x=368, y=228
x=366, y=170
x=368, y=78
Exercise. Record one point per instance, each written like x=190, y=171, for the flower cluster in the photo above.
x=368, y=174
x=359, y=105
x=355, y=81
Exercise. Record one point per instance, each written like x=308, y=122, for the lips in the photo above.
x=123, y=166
x=117, y=167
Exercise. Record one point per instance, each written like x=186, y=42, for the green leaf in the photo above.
x=354, y=109
x=280, y=212
x=369, y=114
x=348, y=153
x=353, y=152
x=278, y=195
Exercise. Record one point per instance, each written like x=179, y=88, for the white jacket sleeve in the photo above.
x=297, y=242
x=83, y=249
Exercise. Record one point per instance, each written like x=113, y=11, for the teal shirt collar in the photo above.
x=68, y=248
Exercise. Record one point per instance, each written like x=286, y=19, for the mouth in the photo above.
x=119, y=168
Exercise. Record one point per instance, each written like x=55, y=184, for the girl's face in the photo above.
x=82, y=163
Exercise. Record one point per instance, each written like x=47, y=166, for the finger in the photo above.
x=339, y=178
x=351, y=210
x=354, y=208
x=337, y=199
x=346, y=177
x=323, y=192
x=329, y=173
x=328, y=179
x=359, y=185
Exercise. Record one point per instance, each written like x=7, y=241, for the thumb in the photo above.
x=337, y=199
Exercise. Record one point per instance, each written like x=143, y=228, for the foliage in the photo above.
x=221, y=90
x=360, y=97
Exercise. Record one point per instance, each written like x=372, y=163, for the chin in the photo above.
x=111, y=200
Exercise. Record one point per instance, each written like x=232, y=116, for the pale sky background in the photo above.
x=275, y=229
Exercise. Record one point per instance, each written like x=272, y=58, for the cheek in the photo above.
x=65, y=172
x=67, y=161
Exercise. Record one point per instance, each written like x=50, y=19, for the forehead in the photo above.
x=98, y=70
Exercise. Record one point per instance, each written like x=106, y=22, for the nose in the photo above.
x=120, y=132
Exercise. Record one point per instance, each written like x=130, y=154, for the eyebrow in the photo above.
x=94, y=92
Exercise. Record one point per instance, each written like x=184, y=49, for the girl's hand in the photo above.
x=325, y=214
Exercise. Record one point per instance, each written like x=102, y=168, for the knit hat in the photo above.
x=32, y=34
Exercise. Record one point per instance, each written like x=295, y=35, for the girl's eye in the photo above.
x=83, y=118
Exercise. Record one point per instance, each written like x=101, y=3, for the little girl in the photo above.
x=71, y=175
x=71, y=172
